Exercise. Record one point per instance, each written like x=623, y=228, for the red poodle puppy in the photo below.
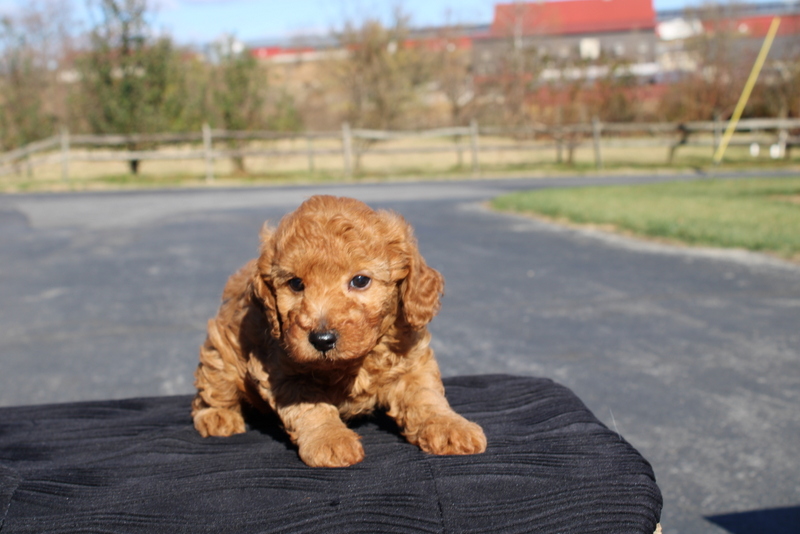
x=329, y=323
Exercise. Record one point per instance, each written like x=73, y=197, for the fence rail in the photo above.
x=353, y=143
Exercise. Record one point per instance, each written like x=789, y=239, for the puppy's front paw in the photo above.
x=451, y=434
x=331, y=447
x=218, y=422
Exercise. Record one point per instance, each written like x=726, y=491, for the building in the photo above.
x=538, y=46
x=568, y=33
x=747, y=23
x=738, y=28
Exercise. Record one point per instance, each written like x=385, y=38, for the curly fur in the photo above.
x=259, y=347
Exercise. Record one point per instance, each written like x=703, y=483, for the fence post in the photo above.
x=559, y=146
x=474, y=147
x=459, y=151
x=64, y=153
x=684, y=131
x=717, y=131
x=783, y=138
x=28, y=164
x=347, y=149
x=597, y=129
x=559, y=137
x=208, y=153
x=310, y=149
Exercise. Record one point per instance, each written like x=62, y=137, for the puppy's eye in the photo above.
x=360, y=281
x=296, y=284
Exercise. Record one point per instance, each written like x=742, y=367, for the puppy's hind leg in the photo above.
x=216, y=409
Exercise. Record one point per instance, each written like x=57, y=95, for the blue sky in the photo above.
x=201, y=21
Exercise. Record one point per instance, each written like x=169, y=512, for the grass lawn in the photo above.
x=755, y=214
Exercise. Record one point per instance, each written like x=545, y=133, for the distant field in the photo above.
x=754, y=214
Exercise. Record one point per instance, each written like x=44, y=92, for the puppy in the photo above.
x=329, y=323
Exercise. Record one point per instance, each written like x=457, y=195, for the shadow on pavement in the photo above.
x=774, y=521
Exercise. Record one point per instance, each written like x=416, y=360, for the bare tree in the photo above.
x=242, y=97
x=614, y=94
x=777, y=93
x=238, y=91
x=452, y=72
x=509, y=85
x=722, y=64
x=381, y=76
x=130, y=79
x=32, y=45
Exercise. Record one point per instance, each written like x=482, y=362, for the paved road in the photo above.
x=693, y=356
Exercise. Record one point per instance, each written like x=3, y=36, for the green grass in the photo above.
x=755, y=214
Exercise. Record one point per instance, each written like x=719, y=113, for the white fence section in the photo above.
x=210, y=145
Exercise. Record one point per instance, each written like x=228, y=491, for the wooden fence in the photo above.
x=351, y=144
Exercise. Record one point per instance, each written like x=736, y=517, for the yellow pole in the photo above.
x=748, y=88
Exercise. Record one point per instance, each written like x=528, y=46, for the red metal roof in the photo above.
x=269, y=52
x=573, y=17
x=429, y=44
x=439, y=44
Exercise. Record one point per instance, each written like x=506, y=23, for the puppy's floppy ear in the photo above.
x=263, y=289
x=422, y=287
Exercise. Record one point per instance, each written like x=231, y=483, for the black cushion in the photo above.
x=139, y=466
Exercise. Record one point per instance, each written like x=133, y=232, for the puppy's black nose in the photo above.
x=323, y=340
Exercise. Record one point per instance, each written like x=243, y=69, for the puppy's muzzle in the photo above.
x=323, y=340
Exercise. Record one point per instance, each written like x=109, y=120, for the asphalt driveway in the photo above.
x=692, y=355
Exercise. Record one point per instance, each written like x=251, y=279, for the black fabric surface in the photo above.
x=139, y=466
